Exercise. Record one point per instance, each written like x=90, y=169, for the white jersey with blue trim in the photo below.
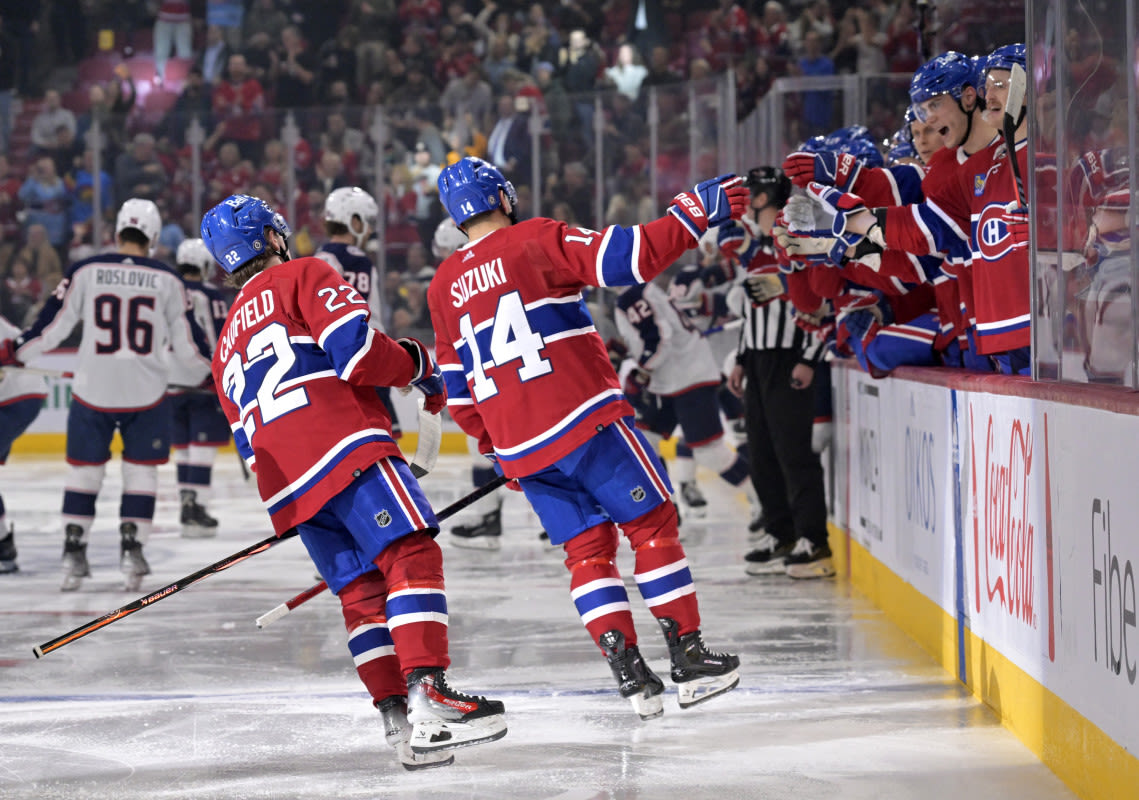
x=357, y=269
x=664, y=342
x=15, y=384
x=132, y=309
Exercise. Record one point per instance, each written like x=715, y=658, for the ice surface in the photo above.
x=187, y=699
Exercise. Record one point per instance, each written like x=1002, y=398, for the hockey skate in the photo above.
x=131, y=562
x=698, y=673
x=443, y=719
x=75, y=566
x=486, y=534
x=397, y=731
x=810, y=560
x=8, y=552
x=693, y=500
x=635, y=681
x=196, y=523
x=769, y=556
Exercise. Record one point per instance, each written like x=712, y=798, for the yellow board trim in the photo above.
x=1092, y=764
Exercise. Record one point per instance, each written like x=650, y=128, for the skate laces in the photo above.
x=803, y=547
x=439, y=682
x=769, y=542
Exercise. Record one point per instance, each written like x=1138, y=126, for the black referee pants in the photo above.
x=786, y=472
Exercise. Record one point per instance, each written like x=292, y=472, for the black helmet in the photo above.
x=771, y=181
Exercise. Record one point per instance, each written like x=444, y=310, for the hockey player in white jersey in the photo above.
x=349, y=220
x=200, y=426
x=21, y=398
x=677, y=366
x=132, y=308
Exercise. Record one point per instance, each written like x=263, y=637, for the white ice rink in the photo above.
x=187, y=699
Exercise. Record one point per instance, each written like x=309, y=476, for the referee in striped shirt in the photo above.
x=774, y=374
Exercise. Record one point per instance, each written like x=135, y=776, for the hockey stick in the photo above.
x=727, y=326
x=308, y=594
x=428, y=452
x=1017, y=85
x=164, y=592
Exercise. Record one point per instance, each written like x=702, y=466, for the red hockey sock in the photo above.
x=595, y=584
x=416, y=602
x=661, y=570
x=369, y=641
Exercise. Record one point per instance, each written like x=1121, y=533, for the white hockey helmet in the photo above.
x=194, y=254
x=447, y=239
x=142, y=215
x=347, y=202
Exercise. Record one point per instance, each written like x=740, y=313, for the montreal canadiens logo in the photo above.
x=992, y=234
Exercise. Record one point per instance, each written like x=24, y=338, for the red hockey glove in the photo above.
x=711, y=203
x=839, y=170
x=8, y=354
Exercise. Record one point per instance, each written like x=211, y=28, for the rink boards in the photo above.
x=997, y=522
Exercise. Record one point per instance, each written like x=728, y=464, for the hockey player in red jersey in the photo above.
x=528, y=375
x=296, y=369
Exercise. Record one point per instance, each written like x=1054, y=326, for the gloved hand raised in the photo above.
x=8, y=354
x=428, y=379
x=711, y=203
x=839, y=170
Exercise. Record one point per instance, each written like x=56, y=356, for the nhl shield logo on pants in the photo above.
x=383, y=519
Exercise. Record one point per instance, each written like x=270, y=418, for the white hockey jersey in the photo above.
x=664, y=342
x=16, y=385
x=358, y=271
x=132, y=309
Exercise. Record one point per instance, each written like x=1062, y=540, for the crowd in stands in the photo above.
x=442, y=78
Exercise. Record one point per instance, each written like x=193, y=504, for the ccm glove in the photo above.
x=711, y=203
x=839, y=170
x=428, y=379
x=1019, y=226
x=843, y=206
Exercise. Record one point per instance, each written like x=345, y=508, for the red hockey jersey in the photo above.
x=296, y=368
x=527, y=373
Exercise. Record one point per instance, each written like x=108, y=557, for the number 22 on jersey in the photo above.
x=511, y=338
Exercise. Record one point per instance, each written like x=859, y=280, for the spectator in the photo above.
x=753, y=81
x=338, y=60
x=627, y=72
x=375, y=24
x=816, y=17
x=773, y=36
x=326, y=175
x=46, y=124
x=818, y=106
x=901, y=48
x=9, y=204
x=173, y=31
x=499, y=59
x=508, y=144
x=260, y=57
x=537, y=46
x=69, y=29
x=21, y=293
x=238, y=103
x=215, y=56
x=194, y=102
x=81, y=187
x=423, y=172
x=43, y=259
x=295, y=73
x=138, y=172
x=467, y=101
x=228, y=15
x=272, y=169
x=579, y=63
x=22, y=19
x=348, y=143
x=660, y=73
x=8, y=46
x=265, y=17
x=45, y=200
x=227, y=172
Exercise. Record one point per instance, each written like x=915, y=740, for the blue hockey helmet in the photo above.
x=1005, y=57
x=900, y=149
x=234, y=229
x=469, y=187
x=854, y=139
x=948, y=73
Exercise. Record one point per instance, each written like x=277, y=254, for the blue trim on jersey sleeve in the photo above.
x=908, y=180
x=456, y=382
x=344, y=343
x=617, y=258
x=243, y=448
